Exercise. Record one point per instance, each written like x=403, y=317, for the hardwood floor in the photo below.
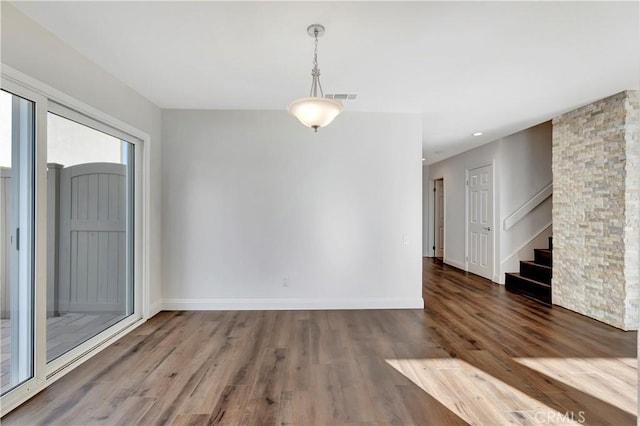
x=476, y=354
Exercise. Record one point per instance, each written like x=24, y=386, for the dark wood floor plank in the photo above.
x=230, y=407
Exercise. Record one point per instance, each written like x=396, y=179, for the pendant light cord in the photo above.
x=315, y=72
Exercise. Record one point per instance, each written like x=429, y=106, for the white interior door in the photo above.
x=439, y=210
x=480, y=221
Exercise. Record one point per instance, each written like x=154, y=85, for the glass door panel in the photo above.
x=17, y=197
x=90, y=190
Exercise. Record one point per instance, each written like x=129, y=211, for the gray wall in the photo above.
x=251, y=198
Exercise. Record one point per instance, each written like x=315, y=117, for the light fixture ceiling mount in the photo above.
x=315, y=111
x=315, y=30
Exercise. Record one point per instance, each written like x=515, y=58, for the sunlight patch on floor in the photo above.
x=613, y=380
x=475, y=396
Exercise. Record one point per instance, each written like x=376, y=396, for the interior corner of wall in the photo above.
x=455, y=263
x=154, y=308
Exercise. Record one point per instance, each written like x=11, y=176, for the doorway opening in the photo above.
x=438, y=214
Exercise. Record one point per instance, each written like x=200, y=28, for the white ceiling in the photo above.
x=465, y=67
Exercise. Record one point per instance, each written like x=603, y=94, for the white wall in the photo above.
x=31, y=49
x=252, y=197
x=522, y=167
x=6, y=129
x=525, y=169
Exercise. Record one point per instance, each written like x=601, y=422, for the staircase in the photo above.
x=534, y=279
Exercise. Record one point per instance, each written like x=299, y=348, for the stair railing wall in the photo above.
x=522, y=211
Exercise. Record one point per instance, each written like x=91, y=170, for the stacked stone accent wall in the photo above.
x=596, y=210
x=632, y=213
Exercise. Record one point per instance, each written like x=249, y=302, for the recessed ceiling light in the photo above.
x=477, y=134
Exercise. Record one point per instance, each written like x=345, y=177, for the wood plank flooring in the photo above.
x=476, y=354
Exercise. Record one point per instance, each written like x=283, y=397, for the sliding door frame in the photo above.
x=40, y=245
x=48, y=99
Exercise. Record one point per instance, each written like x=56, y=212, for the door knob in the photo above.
x=486, y=228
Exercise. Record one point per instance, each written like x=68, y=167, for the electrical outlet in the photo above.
x=285, y=282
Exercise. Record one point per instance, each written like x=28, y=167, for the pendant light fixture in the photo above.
x=315, y=111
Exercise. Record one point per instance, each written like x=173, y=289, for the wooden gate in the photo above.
x=93, y=249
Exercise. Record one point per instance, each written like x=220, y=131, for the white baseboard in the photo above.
x=287, y=304
x=455, y=264
x=495, y=278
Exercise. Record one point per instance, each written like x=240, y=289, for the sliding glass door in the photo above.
x=70, y=236
x=17, y=213
x=90, y=279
